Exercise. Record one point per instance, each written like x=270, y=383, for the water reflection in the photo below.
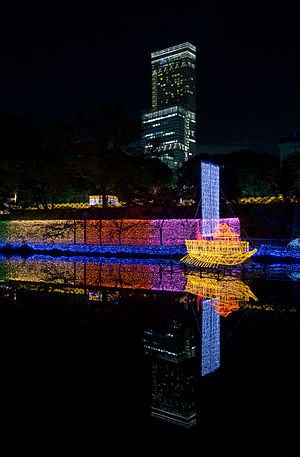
x=93, y=273
x=181, y=343
x=226, y=294
x=210, y=338
x=181, y=352
x=172, y=348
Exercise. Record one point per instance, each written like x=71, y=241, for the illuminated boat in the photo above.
x=224, y=248
x=226, y=295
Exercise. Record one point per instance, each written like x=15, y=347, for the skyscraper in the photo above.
x=174, y=77
x=171, y=122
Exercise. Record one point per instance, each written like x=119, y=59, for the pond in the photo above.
x=153, y=345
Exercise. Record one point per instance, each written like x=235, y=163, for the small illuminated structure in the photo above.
x=224, y=249
x=97, y=200
x=225, y=295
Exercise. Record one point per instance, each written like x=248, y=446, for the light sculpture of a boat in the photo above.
x=225, y=248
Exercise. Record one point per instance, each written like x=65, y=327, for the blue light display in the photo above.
x=210, y=200
x=277, y=251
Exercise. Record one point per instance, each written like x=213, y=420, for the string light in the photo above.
x=97, y=235
x=210, y=199
x=224, y=249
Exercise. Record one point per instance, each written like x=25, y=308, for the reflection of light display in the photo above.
x=225, y=295
x=210, y=200
x=210, y=335
x=82, y=274
x=224, y=249
x=93, y=273
x=218, y=297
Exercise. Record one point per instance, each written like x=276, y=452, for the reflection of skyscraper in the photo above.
x=172, y=120
x=172, y=349
x=180, y=356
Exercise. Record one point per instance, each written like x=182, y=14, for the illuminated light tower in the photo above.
x=210, y=197
x=171, y=122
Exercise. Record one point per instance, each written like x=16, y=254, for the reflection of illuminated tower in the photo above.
x=210, y=338
x=172, y=349
x=210, y=197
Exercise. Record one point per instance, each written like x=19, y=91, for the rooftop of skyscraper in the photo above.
x=186, y=47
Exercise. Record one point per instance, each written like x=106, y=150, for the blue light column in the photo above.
x=210, y=197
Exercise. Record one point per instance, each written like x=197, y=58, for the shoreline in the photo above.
x=123, y=252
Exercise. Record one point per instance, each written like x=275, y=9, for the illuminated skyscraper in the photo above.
x=174, y=77
x=171, y=122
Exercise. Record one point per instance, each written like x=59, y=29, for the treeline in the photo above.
x=92, y=154
x=100, y=154
x=246, y=174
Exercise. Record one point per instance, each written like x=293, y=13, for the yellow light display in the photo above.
x=266, y=200
x=224, y=249
x=227, y=295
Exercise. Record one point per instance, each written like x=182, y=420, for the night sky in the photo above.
x=56, y=59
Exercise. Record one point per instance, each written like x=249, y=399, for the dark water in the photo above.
x=93, y=348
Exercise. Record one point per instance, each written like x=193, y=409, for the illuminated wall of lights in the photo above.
x=114, y=232
x=210, y=197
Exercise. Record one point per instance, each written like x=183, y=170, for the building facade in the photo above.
x=169, y=127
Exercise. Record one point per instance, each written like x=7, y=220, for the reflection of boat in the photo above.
x=224, y=249
x=226, y=295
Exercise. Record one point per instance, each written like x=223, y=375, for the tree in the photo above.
x=289, y=178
